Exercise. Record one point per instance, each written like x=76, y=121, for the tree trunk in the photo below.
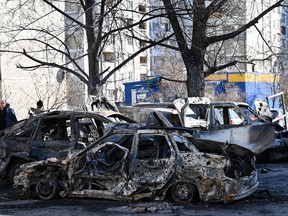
x=93, y=61
x=195, y=80
x=194, y=63
x=194, y=58
x=94, y=76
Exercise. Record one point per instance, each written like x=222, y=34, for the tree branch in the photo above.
x=64, y=14
x=172, y=80
x=176, y=26
x=230, y=35
x=220, y=67
x=42, y=63
x=131, y=57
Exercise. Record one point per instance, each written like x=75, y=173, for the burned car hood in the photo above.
x=255, y=138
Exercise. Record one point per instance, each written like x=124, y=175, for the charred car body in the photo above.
x=153, y=163
x=222, y=122
x=48, y=135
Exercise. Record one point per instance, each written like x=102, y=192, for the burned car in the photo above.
x=132, y=164
x=223, y=122
x=47, y=135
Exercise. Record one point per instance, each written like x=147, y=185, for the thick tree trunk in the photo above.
x=195, y=81
x=194, y=57
x=194, y=63
x=93, y=61
x=94, y=87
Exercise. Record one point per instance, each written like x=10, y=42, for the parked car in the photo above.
x=47, y=135
x=213, y=121
x=133, y=164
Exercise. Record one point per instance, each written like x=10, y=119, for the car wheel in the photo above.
x=184, y=192
x=46, y=189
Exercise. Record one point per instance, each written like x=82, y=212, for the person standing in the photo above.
x=34, y=111
x=7, y=115
x=39, y=108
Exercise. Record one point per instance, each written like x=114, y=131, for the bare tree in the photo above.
x=213, y=25
x=84, y=29
x=173, y=75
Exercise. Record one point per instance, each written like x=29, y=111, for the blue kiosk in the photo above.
x=136, y=92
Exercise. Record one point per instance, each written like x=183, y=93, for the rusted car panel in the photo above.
x=233, y=187
x=132, y=164
x=255, y=137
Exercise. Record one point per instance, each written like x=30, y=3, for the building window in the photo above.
x=109, y=56
x=110, y=3
x=283, y=30
x=129, y=5
x=142, y=25
x=130, y=40
x=143, y=60
x=142, y=8
x=166, y=26
x=142, y=44
x=129, y=22
x=155, y=26
x=142, y=76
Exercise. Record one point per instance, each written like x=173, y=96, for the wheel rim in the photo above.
x=182, y=192
x=46, y=189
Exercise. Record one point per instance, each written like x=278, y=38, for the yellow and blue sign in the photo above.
x=253, y=84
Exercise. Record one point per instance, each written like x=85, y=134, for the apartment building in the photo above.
x=58, y=89
x=121, y=48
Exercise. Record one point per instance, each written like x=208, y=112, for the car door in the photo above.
x=52, y=138
x=109, y=164
x=226, y=116
x=87, y=129
x=152, y=161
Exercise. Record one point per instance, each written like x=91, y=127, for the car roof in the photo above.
x=63, y=113
x=58, y=114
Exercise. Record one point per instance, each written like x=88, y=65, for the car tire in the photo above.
x=47, y=189
x=184, y=192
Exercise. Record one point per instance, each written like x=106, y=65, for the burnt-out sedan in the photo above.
x=132, y=164
x=47, y=135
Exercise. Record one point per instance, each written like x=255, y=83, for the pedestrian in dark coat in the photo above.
x=7, y=115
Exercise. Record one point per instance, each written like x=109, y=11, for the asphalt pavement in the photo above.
x=271, y=198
